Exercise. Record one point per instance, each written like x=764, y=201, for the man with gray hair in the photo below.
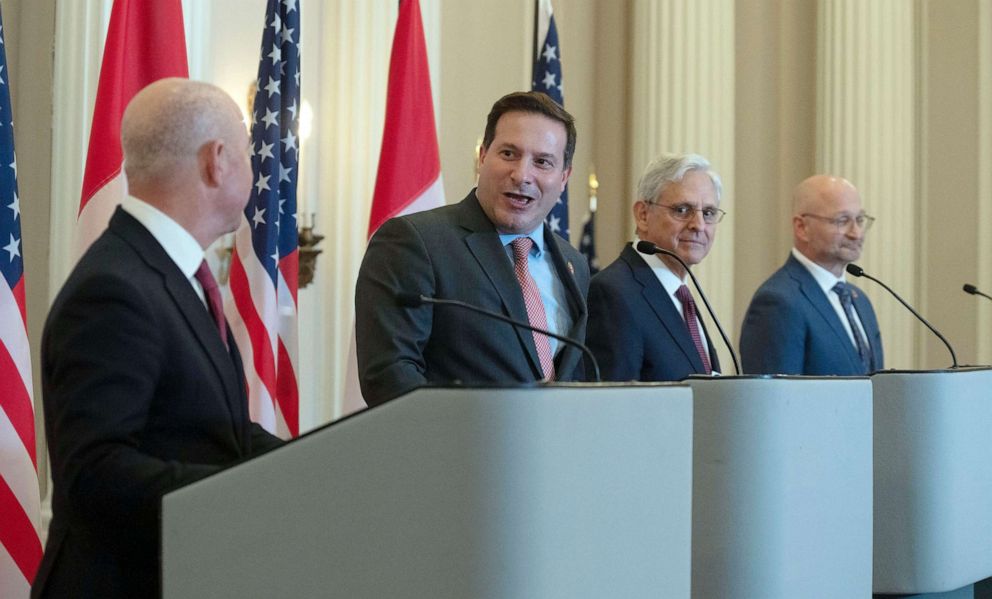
x=143, y=385
x=643, y=321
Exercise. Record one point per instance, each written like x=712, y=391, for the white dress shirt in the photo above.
x=177, y=242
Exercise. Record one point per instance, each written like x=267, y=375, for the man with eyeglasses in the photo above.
x=643, y=320
x=807, y=319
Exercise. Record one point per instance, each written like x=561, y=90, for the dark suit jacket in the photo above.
x=635, y=329
x=453, y=252
x=140, y=397
x=791, y=328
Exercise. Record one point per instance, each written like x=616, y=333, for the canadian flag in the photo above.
x=408, y=180
x=145, y=42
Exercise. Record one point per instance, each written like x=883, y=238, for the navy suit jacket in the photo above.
x=635, y=330
x=791, y=328
x=453, y=252
x=140, y=397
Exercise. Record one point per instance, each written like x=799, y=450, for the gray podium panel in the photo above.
x=933, y=480
x=563, y=491
x=782, y=488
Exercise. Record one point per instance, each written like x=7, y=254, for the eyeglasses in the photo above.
x=687, y=212
x=844, y=221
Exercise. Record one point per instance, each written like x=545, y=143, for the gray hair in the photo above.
x=162, y=137
x=671, y=168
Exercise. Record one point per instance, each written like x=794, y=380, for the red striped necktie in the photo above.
x=532, y=299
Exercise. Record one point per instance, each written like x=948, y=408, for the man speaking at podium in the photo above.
x=143, y=384
x=806, y=318
x=492, y=250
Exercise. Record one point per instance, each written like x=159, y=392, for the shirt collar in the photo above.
x=668, y=279
x=174, y=239
x=537, y=236
x=823, y=277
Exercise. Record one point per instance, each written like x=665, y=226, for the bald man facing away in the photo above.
x=806, y=318
x=143, y=385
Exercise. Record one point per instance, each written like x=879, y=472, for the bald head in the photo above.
x=824, y=227
x=167, y=123
x=186, y=153
x=822, y=192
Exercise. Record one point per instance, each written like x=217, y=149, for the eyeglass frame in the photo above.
x=720, y=213
x=843, y=222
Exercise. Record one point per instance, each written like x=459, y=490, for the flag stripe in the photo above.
x=15, y=401
x=264, y=264
x=261, y=344
x=18, y=535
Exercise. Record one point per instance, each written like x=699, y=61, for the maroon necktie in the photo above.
x=689, y=312
x=210, y=289
x=532, y=299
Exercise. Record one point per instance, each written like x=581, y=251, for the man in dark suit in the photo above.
x=643, y=320
x=806, y=318
x=143, y=385
x=492, y=250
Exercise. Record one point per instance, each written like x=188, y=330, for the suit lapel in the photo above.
x=814, y=293
x=664, y=308
x=483, y=242
x=181, y=292
x=870, y=325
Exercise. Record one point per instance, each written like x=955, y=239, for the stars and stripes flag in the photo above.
x=264, y=272
x=548, y=79
x=145, y=43
x=409, y=176
x=20, y=543
x=587, y=243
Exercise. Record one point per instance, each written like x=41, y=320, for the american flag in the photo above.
x=547, y=79
x=587, y=243
x=20, y=544
x=265, y=263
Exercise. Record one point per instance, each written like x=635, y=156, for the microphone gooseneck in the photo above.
x=857, y=271
x=413, y=300
x=969, y=288
x=646, y=247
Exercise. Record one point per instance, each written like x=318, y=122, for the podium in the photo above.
x=557, y=491
x=933, y=480
x=782, y=487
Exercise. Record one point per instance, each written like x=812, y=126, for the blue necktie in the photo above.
x=843, y=290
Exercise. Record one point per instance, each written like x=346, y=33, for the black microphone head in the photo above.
x=646, y=247
x=409, y=300
x=854, y=269
x=969, y=288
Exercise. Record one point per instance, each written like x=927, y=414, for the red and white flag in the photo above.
x=409, y=176
x=145, y=43
x=20, y=501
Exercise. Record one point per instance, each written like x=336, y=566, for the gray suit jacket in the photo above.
x=791, y=328
x=453, y=252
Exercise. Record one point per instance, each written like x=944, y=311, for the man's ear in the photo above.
x=211, y=165
x=799, y=228
x=564, y=177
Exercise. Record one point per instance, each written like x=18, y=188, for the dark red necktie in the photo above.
x=689, y=312
x=210, y=289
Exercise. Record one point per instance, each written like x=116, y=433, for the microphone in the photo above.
x=414, y=300
x=857, y=271
x=969, y=288
x=646, y=247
